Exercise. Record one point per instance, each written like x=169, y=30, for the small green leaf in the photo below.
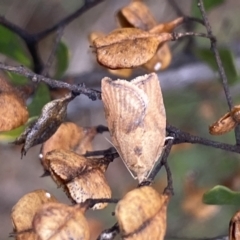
x=41, y=97
x=208, y=5
x=228, y=62
x=17, y=79
x=11, y=46
x=10, y=136
x=62, y=60
x=220, y=195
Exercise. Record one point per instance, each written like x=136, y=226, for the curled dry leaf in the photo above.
x=226, y=123
x=81, y=178
x=13, y=111
x=53, y=114
x=69, y=136
x=137, y=15
x=128, y=47
x=168, y=26
x=141, y=214
x=24, y=210
x=139, y=139
x=59, y=221
x=124, y=73
x=234, y=227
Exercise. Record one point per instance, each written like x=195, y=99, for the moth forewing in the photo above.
x=155, y=121
x=137, y=121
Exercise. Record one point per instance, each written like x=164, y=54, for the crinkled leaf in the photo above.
x=52, y=115
x=227, y=58
x=24, y=210
x=11, y=46
x=220, y=195
x=81, y=178
x=128, y=47
x=141, y=214
x=208, y=5
x=69, y=136
x=62, y=57
x=59, y=221
x=41, y=97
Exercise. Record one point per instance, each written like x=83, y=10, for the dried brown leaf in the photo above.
x=168, y=26
x=13, y=111
x=161, y=59
x=53, y=114
x=124, y=73
x=234, y=227
x=141, y=214
x=137, y=15
x=136, y=120
x=69, y=136
x=57, y=221
x=225, y=124
x=81, y=178
x=24, y=210
x=128, y=47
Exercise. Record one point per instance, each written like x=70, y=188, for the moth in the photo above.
x=136, y=119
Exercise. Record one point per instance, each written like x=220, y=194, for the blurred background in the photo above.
x=193, y=97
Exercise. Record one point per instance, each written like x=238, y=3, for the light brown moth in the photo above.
x=136, y=119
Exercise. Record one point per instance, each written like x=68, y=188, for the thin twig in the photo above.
x=177, y=36
x=219, y=64
x=53, y=52
x=184, y=137
x=81, y=89
x=163, y=161
x=32, y=40
x=107, y=152
x=29, y=40
x=88, y=4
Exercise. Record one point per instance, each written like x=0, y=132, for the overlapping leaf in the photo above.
x=69, y=136
x=141, y=214
x=46, y=125
x=24, y=210
x=81, y=178
x=59, y=221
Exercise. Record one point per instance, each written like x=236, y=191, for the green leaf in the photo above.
x=41, y=97
x=10, y=136
x=208, y=5
x=11, y=46
x=17, y=79
x=62, y=60
x=220, y=195
x=228, y=62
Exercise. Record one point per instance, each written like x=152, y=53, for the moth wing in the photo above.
x=125, y=105
x=155, y=121
x=125, y=108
